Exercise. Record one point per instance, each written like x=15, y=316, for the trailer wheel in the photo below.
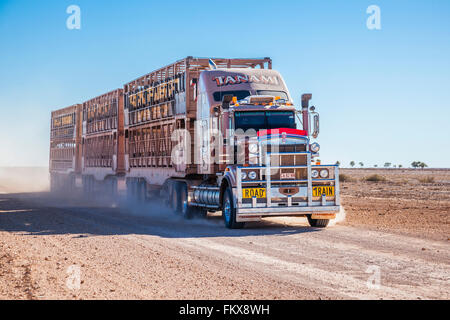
x=111, y=187
x=229, y=211
x=317, y=223
x=176, y=198
x=165, y=194
x=53, y=186
x=70, y=187
x=201, y=212
x=129, y=190
x=88, y=187
x=142, y=190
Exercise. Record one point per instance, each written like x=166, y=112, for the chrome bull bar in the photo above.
x=255, y=210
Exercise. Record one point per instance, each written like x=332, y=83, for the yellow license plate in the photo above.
x=254, y=192
x=319, y=191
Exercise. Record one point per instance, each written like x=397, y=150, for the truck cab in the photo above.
x=257, y=149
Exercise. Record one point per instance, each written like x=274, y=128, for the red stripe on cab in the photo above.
x=281, y=131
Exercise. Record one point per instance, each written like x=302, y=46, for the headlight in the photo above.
x=253, y=148
x=324, y=173
x=315, y=147
x=252, y=175
x=243, y=175
x=314, y=173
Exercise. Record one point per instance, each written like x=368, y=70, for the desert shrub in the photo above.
x=345, y=178
x=375, y=178
x=428, y=179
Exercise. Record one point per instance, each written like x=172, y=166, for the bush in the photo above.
x=428, y=179
x=375, y=178
x=345, y=178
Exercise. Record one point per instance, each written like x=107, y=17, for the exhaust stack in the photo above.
x=305, y=112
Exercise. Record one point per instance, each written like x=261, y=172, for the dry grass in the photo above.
x=345, y=178
x=375, y=178
x=428, y=179
x=402, y=204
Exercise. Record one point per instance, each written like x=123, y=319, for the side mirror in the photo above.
x=216, y=111
x=316, y=125
x=226, y=101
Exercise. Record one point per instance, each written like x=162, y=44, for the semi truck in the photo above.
x=204, y=135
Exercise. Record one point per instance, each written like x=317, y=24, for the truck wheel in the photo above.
x=71, y=184
x=88, y=187
x=141, y=186
x=129, y=190
x=201, y=212
x=317, y=223
x=165, y=195
x=53, y=186
x=229, y=211
x=111, y=187
x=186, y=211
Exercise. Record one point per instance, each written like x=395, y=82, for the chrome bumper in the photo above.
x=285, y=205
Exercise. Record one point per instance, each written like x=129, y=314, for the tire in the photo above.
x=88, y=187
x=229, y=211
x=109, y=187
x=53, y=187
x=114, y=189
x=186, y=211
x=129, y=190
x=142, y=190
x=165, y=194
x=201, y=212
x=175, y=197
x=317, y=223
x=134, y=190
x=70, y=184
x=73, y=184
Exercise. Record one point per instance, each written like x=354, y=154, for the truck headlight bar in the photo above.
x=253, y=148
x=252, y=175
x=324, y=173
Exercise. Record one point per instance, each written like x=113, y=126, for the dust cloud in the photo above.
x=37, y=179
x=24, y=179
x=340, y=217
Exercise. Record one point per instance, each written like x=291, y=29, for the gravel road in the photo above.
x=149, y=253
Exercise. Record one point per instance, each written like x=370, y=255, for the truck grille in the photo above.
x=289, y=160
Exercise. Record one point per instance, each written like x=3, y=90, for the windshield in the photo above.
x=273, y=93
x=242, y=94
x=264, y=120
x=239, y=94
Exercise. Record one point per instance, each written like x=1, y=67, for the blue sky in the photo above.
x=383, y=95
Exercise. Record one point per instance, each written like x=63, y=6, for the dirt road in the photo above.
x=149, y=253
